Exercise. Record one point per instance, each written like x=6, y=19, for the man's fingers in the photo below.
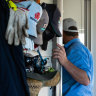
x=54, y=50
x=57, y=53
x=61, y=47
x=55, y=57
x=58, y=50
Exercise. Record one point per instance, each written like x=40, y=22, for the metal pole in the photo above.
x=59, y=40
x=87, y=23
x=93, y=39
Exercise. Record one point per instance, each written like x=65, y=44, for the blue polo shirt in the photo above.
x=81, y=57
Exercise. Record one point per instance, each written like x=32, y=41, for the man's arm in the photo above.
x=78, y=74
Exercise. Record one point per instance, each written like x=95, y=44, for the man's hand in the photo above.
x=17, y=26
x=60, y=54
x=78, y=74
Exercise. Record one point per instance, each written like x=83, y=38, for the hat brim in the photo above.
x=32, y=28
x=38, y=40
x=56, y=30
x=41, y=77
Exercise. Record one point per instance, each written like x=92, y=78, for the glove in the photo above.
x=22, y=24
x=17, y=26
x=10, y=28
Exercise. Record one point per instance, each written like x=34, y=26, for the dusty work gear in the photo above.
x=17, y=26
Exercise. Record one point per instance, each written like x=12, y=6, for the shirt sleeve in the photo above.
x=80, y=59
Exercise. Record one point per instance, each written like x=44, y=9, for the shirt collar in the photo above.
x=70, y=42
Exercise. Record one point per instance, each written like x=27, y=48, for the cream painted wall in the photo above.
x=93, y=38
x=74, y=9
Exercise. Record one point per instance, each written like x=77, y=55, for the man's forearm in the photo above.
x=78, y=74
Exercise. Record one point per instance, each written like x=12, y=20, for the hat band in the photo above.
x=72, y=30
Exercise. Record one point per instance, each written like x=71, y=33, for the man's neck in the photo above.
x=71, y=37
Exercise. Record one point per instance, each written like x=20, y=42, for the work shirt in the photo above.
x=81, y=57
x=12, y=67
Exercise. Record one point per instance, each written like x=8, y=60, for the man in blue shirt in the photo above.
x=76, y=60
